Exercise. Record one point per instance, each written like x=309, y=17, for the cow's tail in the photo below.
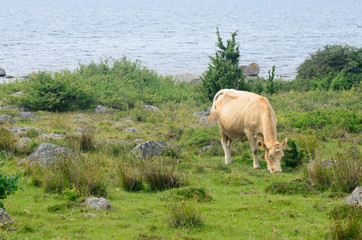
x=212, y=116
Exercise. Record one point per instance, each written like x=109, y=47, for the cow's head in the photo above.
x=273, y=154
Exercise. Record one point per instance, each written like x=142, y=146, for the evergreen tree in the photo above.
x=223, y=71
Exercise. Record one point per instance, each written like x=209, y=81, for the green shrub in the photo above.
x=270, y=86
x=71, y=194
x=6, y=141
x=223, y=71
x=318, y=174
x=60, y=91
x=289, y=188
x=346, y=223
x=293, y=157
x=8, y=183
x=192, y=193
x=183, y=214
x=334, y=67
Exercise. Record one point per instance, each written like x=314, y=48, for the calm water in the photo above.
x=171, y=36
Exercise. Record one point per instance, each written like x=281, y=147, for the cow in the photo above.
x=245, y=115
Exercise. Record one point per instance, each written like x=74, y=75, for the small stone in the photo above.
x=151, y=108
x=4, y=217
x=2, y=72
x=133, y=129
x=100, y=109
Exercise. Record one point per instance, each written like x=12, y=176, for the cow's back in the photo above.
x=238, y=111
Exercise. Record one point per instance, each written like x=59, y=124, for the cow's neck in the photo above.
x=269, y=129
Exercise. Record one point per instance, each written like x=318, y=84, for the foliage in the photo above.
x=183, y=214
x=8, y=183
x=223, y=71
x=60, y=91
x=71, y=194
x=346, y=222
x=293, y=157
x=131, y=179
x=289, y=188
x=192, y=193
x=334, y=67
x=6, y=140
x=270, y=88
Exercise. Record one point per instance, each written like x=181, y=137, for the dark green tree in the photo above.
x=223, y=71
x=270, y=82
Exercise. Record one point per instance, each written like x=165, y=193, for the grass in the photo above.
x=219, y=202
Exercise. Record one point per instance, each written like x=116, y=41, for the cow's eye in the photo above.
x=271, y=156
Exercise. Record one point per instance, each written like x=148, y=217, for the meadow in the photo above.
x=187, y=194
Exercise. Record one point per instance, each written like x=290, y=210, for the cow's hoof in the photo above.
x=256, y=166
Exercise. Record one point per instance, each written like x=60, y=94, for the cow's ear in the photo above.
x=284, y=143
x=261, y=144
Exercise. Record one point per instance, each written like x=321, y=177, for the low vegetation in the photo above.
x=189, y=194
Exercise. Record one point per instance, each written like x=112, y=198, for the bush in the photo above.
x=60, y=91
x=334, y=67
x=346, y=223
x=161, y=175
x=223, y=71
x=289, y=188
x=182, y=214
x=192, y=193
x=293, y=157
x=6, y=141
x=8, y=183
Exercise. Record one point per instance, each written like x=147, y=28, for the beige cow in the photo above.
x=242, y=115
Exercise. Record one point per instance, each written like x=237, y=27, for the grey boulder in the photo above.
x=26, y=115
x=46, y=153
x=151, y=108
x=100, y=109
x=152, y=148
x=6, y=119
x=251, y=70
x=2, y=72
x=355, y=198
x=98, y=203
x=4, y=217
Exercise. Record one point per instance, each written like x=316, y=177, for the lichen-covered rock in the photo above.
x=252, y=69
x=46, y=153
x=98, y=203
x=22, y=144
x=355, y=198
x=51, y=136
x=4, y=217
x=26, y=115
x=100, y=109
x=22, y=131
x=6, y=119
x=132, y=129
x=186, y=77
x=153, y=148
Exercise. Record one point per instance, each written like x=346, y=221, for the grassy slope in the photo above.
x=240, y=208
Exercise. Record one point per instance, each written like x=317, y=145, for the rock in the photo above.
x=2, y=72
x=51, y=136
x=186, y=77
x=22, y=131
x=6, y=119
x=355, y=198
x=46, y=153
x=98, y=203
x=206, y=148
x=152, y=148
x=80, y=115
x=90, y=215
x=329, y=162
x=10, y=106
x=133, y=129
x=203, y=115
x=82, y=120
x=100, y=109
x=22, y=144
x=26, y=115
x=4, y=217
x=118, y=124
x=17, y=94
x=297, y=179
x=151, y=108
x=252, y=69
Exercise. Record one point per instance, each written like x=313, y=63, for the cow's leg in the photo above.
x=226, y=145
x=254, y=149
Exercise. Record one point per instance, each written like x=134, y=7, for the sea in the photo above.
x=171, y=36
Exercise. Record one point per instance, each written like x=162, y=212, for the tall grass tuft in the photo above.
x=161, y=175
x=6, y=141
x=346, y=223
x=183, y=214
x=131, y=179
x=85, y=174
